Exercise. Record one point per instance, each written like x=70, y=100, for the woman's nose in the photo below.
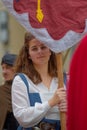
x=39, y=50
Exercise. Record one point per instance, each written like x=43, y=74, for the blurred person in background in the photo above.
x=7, y=120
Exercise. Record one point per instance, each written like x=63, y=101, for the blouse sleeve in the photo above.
x=26, y=115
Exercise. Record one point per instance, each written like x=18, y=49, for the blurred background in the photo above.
x=12, y=38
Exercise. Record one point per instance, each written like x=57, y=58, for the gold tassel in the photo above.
x=39, y=14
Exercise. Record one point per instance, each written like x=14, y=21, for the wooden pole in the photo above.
x=61, y=84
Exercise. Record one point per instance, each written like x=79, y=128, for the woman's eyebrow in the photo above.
x=33, y=46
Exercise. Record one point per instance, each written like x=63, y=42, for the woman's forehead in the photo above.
x=35, y=42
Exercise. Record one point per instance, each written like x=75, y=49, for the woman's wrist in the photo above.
x=51, y=103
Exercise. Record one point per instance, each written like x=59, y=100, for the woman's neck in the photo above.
x=42, y=69
x=46, y=78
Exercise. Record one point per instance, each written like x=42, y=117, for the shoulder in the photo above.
x=20, y=75
x=18, y=85
x=19, y=81
x=1, y=86
x=4, y=87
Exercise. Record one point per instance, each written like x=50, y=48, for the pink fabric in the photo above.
x=60, y=16
x=77, y=90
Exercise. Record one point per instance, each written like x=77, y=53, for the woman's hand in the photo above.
x=63, y=106
x=58, y=97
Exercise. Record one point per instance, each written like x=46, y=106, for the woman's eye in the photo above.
x=43, y=47
x=34, y=49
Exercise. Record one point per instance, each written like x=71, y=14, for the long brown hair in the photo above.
x=25, y=65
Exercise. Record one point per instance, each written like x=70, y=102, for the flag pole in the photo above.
x=61, y=84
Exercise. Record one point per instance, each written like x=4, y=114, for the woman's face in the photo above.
x=38, y=52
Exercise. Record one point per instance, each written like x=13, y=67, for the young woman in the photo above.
x=37, y=62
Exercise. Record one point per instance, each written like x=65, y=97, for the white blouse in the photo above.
x=27, y=115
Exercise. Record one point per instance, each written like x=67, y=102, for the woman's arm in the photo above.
x=25, y=114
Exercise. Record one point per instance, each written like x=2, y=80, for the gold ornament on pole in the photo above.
x=39, y=14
